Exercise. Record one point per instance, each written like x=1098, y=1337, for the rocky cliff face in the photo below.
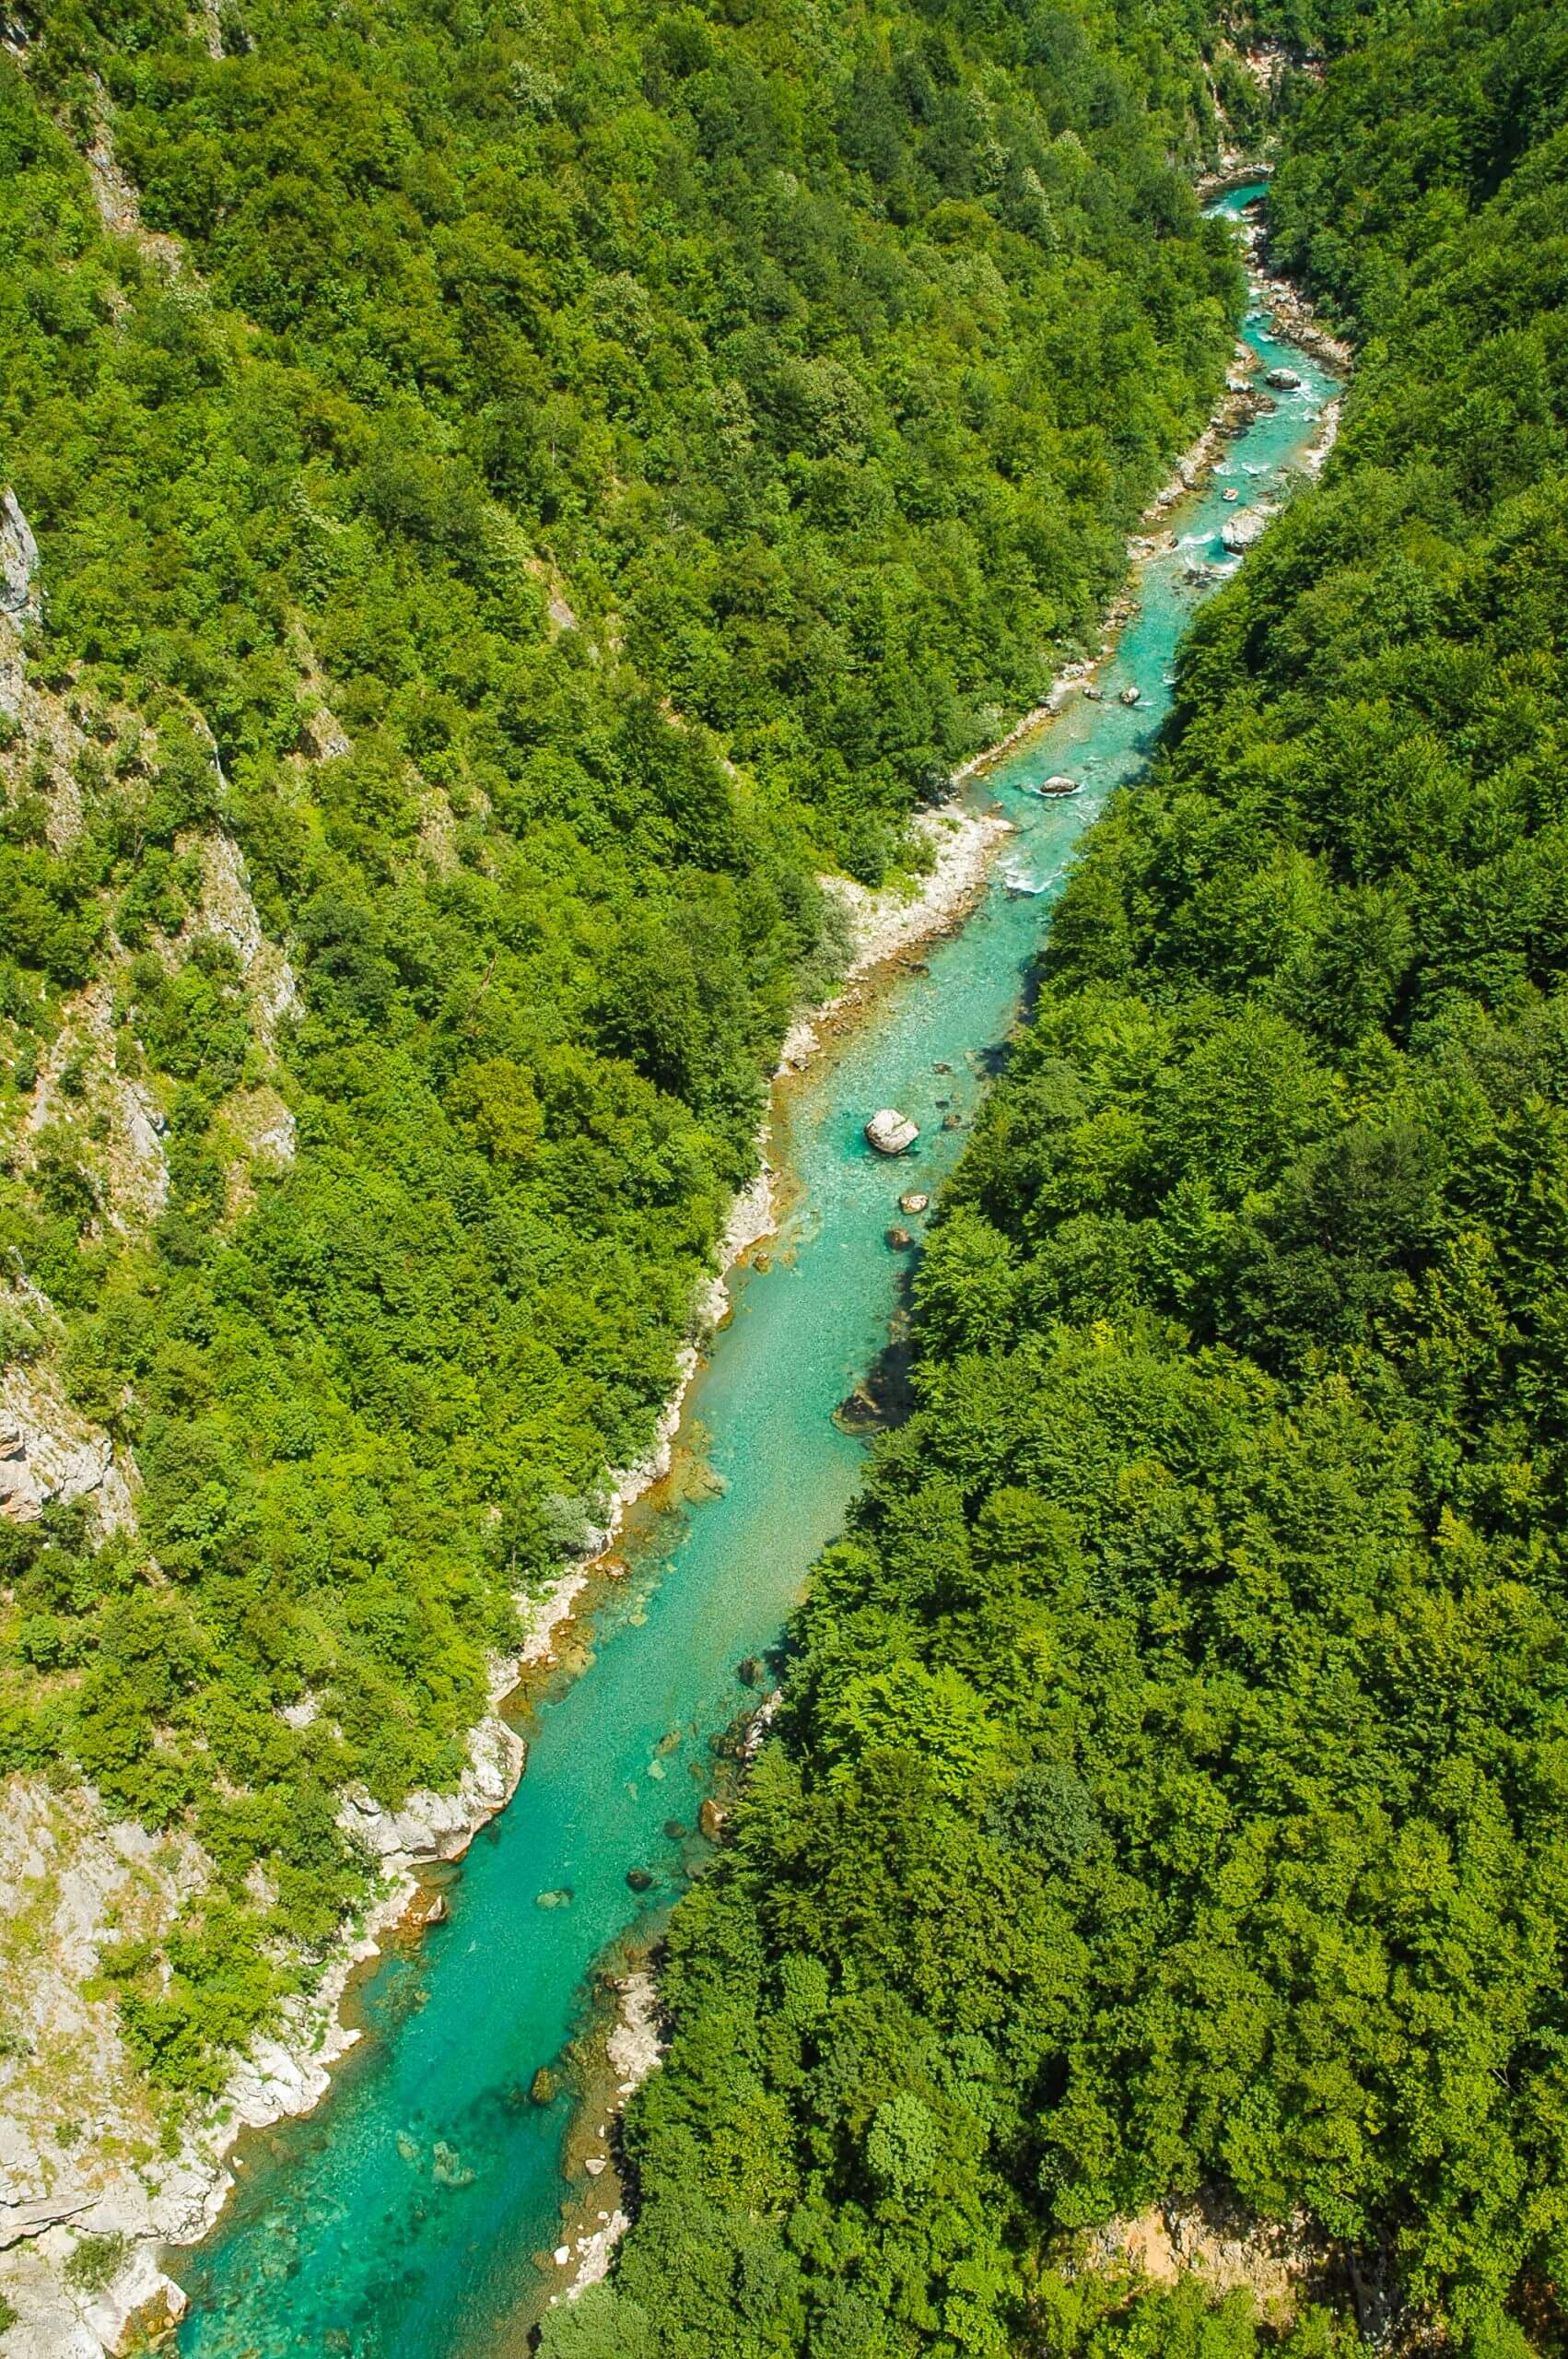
x=19, y=600
x=50, y=1455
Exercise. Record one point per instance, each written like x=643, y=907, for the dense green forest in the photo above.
x=1169, y=1790
x=540, y=482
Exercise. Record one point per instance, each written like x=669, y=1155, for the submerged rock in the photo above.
x=639, y=1879
x=898, y=1239
x=858, y=1412
x=890, y=1133
x=542, y=2088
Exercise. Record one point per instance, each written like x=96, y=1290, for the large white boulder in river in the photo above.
x=890, y=1133
x=1243, y=530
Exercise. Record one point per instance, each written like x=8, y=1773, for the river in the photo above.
x=412, y=2215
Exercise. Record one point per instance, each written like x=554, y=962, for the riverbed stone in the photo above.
x=890, y=1133
x=1243, y=531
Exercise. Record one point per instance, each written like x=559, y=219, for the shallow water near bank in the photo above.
x=406, y=2218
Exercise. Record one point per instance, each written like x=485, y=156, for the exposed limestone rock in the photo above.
x=263, y=1126
x=437, y=831
x=20, y=598
x=273, y=2082
x=49, y=1454
x=637, y=2045
x=23, y=2220
x=66, y=1877
x=128, y=1156
x=114, y=194
x=323, y=738
x=1207, y=2237
x=883, y=923
x=228, y=912
x=139, y=2292
x=558, y=615
x=439, y=1827
x=142, y=1125
x=635, y=2048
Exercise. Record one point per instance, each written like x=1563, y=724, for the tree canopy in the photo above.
x=1168, y=1794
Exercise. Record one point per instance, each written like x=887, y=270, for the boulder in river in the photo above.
x=1095, y=695
x=1284, y=380
x=1243, y=531
x=859, y=1413
x=711, y=1821
x=914, y=1203
x=436, y=1912
x=1060, y=784
x=1132, y=694
x=890, y=1133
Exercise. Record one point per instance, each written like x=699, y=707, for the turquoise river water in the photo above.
x=413, y=2214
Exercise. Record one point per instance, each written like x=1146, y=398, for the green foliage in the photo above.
x=1169, y=1788
x=600, y=2324
x=584, y=471
x=94, y=2261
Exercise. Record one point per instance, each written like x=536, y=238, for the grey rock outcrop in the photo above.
x=19, y=598
x=440, y=1827
x=50, y=1455
x=20, y=2221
